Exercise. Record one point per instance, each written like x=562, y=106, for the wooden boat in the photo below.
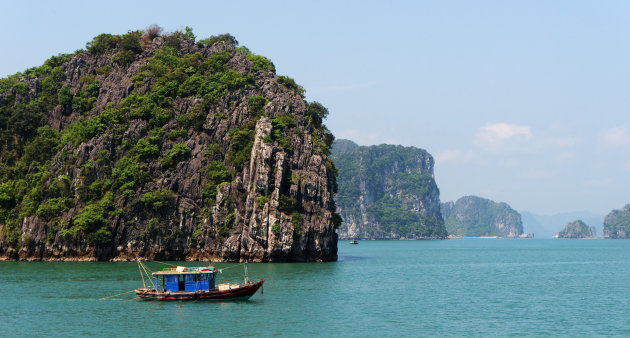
x=197, y=283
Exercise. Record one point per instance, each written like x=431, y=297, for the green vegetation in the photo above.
x=413, y=183
x=91, y=222
x=129, y=174
x=275, y=229
x=394, y=218
x=103, y=43
x=224, y=230
x=127, y=44
x=53, y=207
x=159, y=200
x=261, y=63
x=241, y=144
x=257, y=105
x=197, y=233
x=298, y=222
x=261, y=201
x=316, y=113
x=177, y=133
x=229, y=220
x=179, y=152
x=223, y=38
x=288, y=204
x=291, y=85
x=280, y=124
x=216, y=173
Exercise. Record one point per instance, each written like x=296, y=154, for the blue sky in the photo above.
x=524, y=102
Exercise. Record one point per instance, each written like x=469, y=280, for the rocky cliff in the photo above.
x=472, y=216
x=617, y=223
x=387, y=192
x=154, y=145
x=575, y=229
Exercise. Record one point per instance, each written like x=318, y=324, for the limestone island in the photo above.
x=160, y=146
x=576, y=229
x=476, y=217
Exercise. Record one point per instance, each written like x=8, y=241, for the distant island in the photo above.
x=576, y=229
x=473, y=216
x=386, y=192
x=547, y=226
x=617, y=223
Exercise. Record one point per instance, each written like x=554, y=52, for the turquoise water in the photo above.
x=473, y=287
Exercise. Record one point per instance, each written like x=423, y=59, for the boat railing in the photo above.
x=189, y=269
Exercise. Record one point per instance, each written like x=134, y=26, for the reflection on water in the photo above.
x=348, y=258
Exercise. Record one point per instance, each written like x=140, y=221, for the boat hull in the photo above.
x=241, y=293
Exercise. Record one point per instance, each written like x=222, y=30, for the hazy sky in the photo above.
x=524, y=102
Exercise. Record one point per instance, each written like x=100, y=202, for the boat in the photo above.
x=354, y=242
x=194, y=283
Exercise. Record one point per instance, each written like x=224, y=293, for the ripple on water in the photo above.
x=399, y=288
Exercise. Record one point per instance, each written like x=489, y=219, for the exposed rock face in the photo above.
x=576, y=229
x=387, y=192
x=183, y=152
x=617, y=223
x=472, y=216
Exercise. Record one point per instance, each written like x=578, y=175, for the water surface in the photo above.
x=475, y=287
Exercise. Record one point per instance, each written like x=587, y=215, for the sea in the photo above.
x=457, y=287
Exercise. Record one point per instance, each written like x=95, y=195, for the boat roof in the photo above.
x=183, y=270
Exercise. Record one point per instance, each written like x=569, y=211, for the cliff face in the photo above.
x=576, y=229
x=164, y=148
x=472, y=216
x=387, y=192
x=617, y=223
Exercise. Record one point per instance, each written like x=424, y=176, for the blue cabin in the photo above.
x=184, y=279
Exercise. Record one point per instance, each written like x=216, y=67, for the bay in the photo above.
x=458, y=287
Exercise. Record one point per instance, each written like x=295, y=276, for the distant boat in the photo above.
x=354, y=242
x=196, y=283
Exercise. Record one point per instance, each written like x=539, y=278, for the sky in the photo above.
x=524, y=102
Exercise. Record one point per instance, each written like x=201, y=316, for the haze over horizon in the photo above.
x=520, y=102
